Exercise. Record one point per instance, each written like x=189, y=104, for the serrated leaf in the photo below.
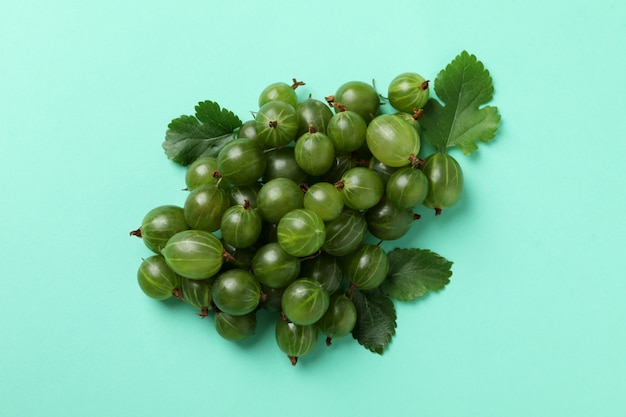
x=191, y=137
x=376, y=319
x=463, y=86
x=414, y=272
x=221, y=121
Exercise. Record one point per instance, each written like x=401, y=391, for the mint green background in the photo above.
x=533, y=322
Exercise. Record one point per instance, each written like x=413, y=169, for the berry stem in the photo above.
x=246, y=204
x=416, y=162
x=273, y=123
x=296, y=83
x=293, y=359
x=417, y=113
x=340, y=184
x=330, y=100
x=351, y=290
x=312, y=129
x=204, y=312
x=424, y=85
x=340, y=107
x=227, y=257
x=176, y=292
x=329, y=341
x=416, y=216
x=437, y=211
x=136, y=232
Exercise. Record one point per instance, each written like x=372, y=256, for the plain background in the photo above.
x=533, y=322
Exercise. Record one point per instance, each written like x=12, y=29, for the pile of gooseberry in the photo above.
x=285, y=217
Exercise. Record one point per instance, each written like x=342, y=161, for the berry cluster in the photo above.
x=283, y=217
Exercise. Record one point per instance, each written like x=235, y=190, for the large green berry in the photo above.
x=204, y=207
x=280, y=91
x=325, y=200
x=301, y=232
x=361, y=188
x=314, y=152
x=313, y=112
x=194, y=254
x=197, y=293
x=276, y=124
x=295, y=340
x=159, y=225
x=407, y=187
x=359, y=97
x=201, y=171
x=325, y=269
x=392, y=140
x=277, y=197
x=388, y=222
x=408, y=91
x=274, y=267
x=156, y=279
x=235, y=328
x=281, y=163
x=367, y=267
x=346, y=130
x=304, y=301
x=345, y=233
x=241, y=162
x=340, y=318
x=445, y=179
x=241, y=225
x=236, y=292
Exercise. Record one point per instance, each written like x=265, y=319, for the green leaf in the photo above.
x=191, y=137
x=414, y=272
x=464, y=86
x=376, y=319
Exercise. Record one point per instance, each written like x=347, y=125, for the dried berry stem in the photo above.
x=296, y=83
x=204, y=312
x=417, y=113
x=176, y=292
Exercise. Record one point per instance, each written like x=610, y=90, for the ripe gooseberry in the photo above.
x=156, y=279
x=194, y=254
x=408, y=91
x=304, y=301
x=445, y=181
x=392, y=140
x=236, y=292
x=359, y=97
x=295, y=340
x=276, y=124
x=301, y=232
x=280, y=91
x=159, y=225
